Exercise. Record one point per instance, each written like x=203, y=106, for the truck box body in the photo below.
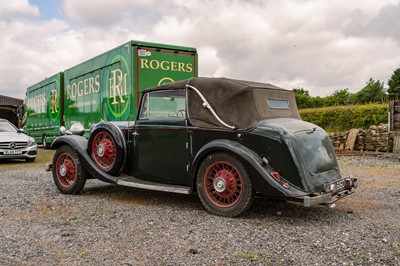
x=43, y=108
x=107, y=87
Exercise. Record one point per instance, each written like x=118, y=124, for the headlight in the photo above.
x=31, y=142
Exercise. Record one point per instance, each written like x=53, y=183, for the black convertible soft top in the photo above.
x=242, y=104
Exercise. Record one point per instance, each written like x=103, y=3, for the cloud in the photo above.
x=321, y=46
x=287, y=43
x=17, y=9
x=385, y=24
x=99, y=12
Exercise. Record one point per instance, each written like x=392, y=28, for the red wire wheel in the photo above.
x=68, y=174
x=104, y=151
x=65, y=170
x=223, y=185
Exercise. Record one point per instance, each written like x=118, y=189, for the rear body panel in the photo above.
x=306, y=155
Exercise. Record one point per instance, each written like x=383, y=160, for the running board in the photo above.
x=131, y=181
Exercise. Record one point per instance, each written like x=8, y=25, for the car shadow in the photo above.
x=261, y=209
x=137, y=196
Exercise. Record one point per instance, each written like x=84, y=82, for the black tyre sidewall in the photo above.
x=81, y=176
x=247, y=196
x=115, y=169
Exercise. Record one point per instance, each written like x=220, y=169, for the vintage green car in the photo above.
x=228, y=140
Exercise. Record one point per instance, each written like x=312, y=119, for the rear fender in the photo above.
x=258, y=169
x=79, y=144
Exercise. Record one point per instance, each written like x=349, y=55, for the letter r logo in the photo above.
x=53, y=101
x=117, y=85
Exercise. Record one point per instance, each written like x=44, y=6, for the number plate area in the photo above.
x=341, y=185
x=7, y=152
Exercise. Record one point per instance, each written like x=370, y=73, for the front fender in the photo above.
x=114, y=130
x=260, y=172
x=79, y=144
x=119, y=139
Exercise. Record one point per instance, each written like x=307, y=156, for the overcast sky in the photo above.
x=319, y=45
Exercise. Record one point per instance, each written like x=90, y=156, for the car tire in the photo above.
x=223, y=185
x=68, y=174
x=46, y=145
x=105, y=152
x=30, y=160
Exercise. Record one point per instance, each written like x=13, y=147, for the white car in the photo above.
x=14, y=144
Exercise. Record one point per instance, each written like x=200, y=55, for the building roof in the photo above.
x=6, y=100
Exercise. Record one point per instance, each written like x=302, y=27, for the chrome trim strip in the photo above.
x=157, y=187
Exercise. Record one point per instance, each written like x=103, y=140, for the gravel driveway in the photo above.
x=109, y=225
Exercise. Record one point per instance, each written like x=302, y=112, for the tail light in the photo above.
x=276, y=176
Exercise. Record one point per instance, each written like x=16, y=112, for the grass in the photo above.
x=43, y=157
x=252, y=256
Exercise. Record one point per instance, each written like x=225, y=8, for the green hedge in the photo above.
x=342, y=118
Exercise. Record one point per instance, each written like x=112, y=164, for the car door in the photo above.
x=161, y=138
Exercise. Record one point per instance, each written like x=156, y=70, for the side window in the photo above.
x=168, y=104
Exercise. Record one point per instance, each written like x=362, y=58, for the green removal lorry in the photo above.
x=106, y=87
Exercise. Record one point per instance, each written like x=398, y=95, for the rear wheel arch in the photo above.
x=224, y=146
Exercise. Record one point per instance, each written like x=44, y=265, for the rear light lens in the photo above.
x=276, y=176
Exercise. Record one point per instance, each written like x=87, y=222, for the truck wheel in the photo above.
x=223, y=185
x=46, y=145
x=68, y=174
x=105, y=152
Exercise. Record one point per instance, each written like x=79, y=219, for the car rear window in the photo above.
x=278, y=104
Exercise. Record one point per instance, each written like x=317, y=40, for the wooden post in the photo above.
x=351, y=139
x=396, y=144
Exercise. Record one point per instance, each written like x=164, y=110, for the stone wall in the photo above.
x=376, y=138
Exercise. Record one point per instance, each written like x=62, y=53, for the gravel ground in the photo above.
x=110, y=225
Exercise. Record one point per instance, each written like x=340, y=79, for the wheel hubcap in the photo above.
x=63, y=170
x=100, y=151
x=219, y=184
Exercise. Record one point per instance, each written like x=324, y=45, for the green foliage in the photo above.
x=373, y=92
x=339, y=97
x=343, y=118
x=394, y=85
x=303, y=98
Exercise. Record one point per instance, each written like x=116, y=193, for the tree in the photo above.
x=394, y=85
x=303, y=98
x=340, y=97
x=374, y=91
